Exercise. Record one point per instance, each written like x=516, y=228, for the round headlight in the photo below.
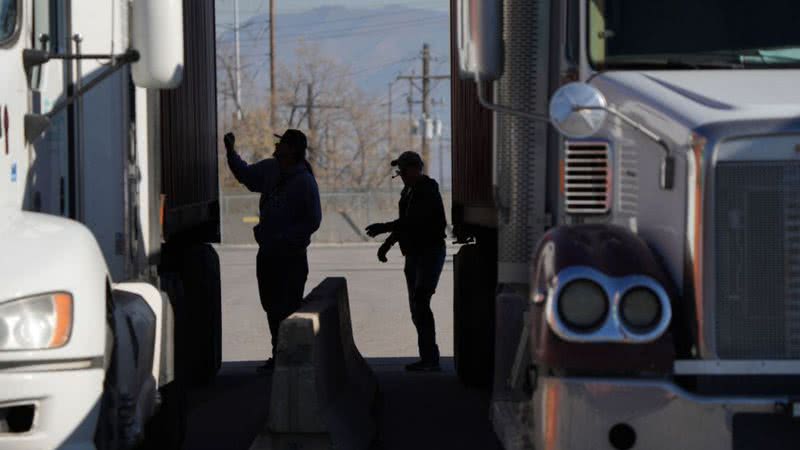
x=640, y=309
x=33, y=332
x=583, y=305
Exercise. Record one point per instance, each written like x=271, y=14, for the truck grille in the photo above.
x=757, y=225
x=587, y=178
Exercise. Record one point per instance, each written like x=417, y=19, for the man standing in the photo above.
x=290, y=213
x=420, y=230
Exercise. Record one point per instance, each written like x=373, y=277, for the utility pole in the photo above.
x=310, y=106
x=426, y=101
x=389, y=136
x=238, y=89
x=312, y=132
x=272, y=97
x=426, y=79
x=410, y=109
x=441, y=163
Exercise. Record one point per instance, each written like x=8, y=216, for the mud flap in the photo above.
x=191, y=277
x=129, y=400
x=473, y=316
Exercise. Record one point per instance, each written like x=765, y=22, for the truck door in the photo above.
x=14, y=157
x=49, y=172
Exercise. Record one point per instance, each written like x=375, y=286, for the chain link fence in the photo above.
x=344, y=215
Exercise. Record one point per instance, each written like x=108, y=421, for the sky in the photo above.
x=249, y=8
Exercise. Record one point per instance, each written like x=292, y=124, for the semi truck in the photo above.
x=626, y=183
x=109, y=288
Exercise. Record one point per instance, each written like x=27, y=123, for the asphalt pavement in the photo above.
x=378, y=301
x=419, y=411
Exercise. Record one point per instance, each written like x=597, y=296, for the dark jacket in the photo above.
x=289, y=207
x=422, y=220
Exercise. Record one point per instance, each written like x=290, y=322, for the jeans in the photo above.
x=423, y=269
x=282, y=278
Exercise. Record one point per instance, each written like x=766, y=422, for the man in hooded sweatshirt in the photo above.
x=420, y=230
x=290, y=213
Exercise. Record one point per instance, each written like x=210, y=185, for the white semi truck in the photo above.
x=109, y=291
x=627, y=176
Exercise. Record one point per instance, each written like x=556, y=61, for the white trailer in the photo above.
x=98, y=224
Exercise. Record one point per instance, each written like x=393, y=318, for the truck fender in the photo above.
x=134, y=369
x=616, y=252
x=610, y=249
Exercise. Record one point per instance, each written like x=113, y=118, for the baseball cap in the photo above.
x=294, y=138
x=408, y=159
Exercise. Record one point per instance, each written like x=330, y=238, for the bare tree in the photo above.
x=347, y=128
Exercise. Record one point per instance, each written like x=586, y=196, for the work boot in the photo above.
x=268, y=366
x=424, y=366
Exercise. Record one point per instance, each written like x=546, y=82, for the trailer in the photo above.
x=625, y=178
x=110, y=293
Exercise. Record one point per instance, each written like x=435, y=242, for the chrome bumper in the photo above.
x=579, y=413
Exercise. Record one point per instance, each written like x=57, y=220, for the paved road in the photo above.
x=378, y=301
x=419, y=411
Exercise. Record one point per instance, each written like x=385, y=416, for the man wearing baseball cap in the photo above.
x=420, y=230
x=290, y=213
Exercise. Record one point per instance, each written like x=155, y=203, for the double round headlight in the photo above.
x=640, y=309
x=583, y=305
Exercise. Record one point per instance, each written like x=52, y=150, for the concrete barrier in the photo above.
x=323, y=392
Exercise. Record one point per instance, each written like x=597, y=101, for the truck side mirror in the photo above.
x=480, y=39
x=157, y=34
x=578, y=110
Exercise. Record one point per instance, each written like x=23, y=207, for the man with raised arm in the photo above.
x=290, y=213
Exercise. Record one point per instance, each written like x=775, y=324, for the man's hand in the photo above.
x=230, y=141
x=383, y=251
x=377, y=229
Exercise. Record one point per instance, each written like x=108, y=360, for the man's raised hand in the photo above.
x=230, y=141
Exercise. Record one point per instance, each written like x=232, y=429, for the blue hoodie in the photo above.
x=289, y=207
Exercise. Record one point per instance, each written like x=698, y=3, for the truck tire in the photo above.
x=200, y=319
x=167, y=429
x=473, y=316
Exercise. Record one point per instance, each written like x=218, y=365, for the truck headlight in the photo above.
x=36, y=323
x=583, y=305
x=640, y=309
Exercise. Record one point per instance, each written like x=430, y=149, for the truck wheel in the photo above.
x=473, y=316
x=201, y=313
x=167, y=429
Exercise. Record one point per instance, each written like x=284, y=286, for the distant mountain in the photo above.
x=377, y=44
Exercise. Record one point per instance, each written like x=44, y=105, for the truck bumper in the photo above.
x=576, y=413
x=66, y=407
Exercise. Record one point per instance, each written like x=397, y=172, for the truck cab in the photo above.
x=645, y=160
x=95, y=258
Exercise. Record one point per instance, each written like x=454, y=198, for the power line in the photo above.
x=426, y=79
x=254, y=21
x=417, y=5
x=343, y=32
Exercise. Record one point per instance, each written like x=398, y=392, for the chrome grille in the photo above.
x=628, y=170
x=757, y=224
x=587, y=178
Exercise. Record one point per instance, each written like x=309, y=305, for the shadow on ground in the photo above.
x=428, y=411
x=229, y=413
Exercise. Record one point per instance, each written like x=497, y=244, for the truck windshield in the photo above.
x=8, y=20
x=693, y=34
